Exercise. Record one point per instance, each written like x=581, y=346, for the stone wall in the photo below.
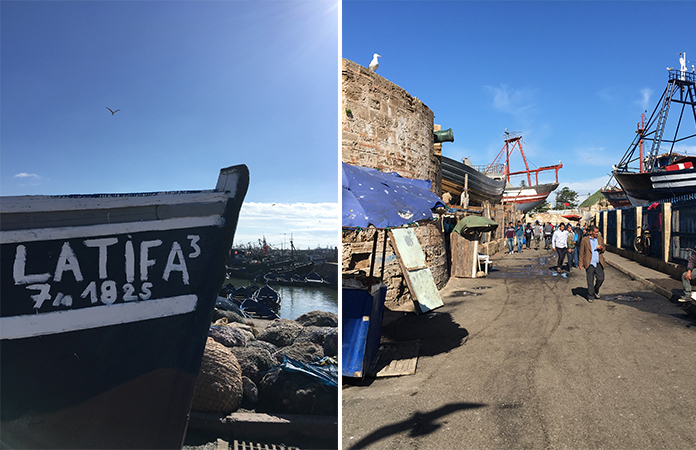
x=357, y=251
x=386, y=128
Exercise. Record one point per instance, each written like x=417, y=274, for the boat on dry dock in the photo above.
x=106, y=303
x=663, y=174
x=459, y=176
x=531, y=195
x=615, y=195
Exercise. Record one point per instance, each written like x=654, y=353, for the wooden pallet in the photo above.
x=396, y=359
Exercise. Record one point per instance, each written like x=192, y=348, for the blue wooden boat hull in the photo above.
x=257, y=310
x=106, y=304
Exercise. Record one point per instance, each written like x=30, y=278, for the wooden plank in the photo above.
x=462, y=256
x=396, y=359
x=408, y=248
x=416, y=273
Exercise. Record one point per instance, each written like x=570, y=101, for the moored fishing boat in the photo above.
x=664, y=173
x=314, y=279
x=241, y=293
x=268, y=297
x=257, y=310
x=106, y=303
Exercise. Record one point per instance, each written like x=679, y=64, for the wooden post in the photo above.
x=604, y=227
x=384, y=252
x=666, y=231
x=618, y=228
x=464, y=200
x=373, y=255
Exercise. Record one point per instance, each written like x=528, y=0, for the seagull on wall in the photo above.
x=112, y=112
x=374, y=64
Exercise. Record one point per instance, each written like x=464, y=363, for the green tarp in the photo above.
x=471, y=224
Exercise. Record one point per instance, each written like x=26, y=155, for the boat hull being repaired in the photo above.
x=480, y=187
x=616, y=197
x=106, y=304
x=529, y=197
x=648, y=187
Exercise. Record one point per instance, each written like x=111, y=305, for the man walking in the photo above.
x=570, y=236
x=548, y=231
x=686, y=277
x=528, y=236
x=559, y=243
x=519, y=236
x=592, y=258
x=510, y=236
x=578, y=233
x=537, y=234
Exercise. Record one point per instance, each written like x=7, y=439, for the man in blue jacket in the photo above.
x=519, y=235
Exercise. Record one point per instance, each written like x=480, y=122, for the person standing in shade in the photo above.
x=686, y=277
x=537, y=234
x=519, y=235
x=592, y=259
x=510, y=236
x=559, y=243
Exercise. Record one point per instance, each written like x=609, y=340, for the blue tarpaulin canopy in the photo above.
x=371, y=197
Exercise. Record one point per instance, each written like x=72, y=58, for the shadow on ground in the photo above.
x=437, y=332
x=419, y=424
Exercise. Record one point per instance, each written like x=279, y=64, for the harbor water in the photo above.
x=297, y=300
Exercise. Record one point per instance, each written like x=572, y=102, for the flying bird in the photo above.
x=374, y=64
x=112, y=112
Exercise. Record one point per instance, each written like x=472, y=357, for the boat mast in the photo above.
x=516, y=139
x=680, y=90
x=640, y=131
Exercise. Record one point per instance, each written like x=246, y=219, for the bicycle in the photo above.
x=642, y=242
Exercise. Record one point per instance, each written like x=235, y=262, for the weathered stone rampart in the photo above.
x=385, y=127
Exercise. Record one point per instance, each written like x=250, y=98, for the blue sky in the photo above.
x=573, y=77
x=200, y=86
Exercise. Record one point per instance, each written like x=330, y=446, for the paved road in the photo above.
x=521, y=360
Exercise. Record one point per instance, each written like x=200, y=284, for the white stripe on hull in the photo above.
x=674, y=184
x=49, y=234
x=525, y=199
x=20, y=327
x=677, y=176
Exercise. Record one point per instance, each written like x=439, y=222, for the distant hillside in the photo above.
x=592, y=199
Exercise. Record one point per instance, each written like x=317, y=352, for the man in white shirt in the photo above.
x=559, y=243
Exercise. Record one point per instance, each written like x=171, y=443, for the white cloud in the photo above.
x=515, y=102
x=644, y=102
x=608, y=94
x=307, y=224
x=29, y=179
